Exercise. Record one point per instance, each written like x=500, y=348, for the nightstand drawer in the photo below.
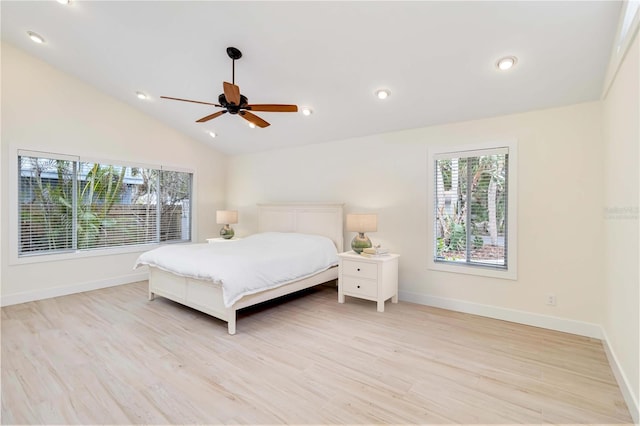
x=360, y=286
x=360, y=269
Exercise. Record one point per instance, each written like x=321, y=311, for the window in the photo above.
x=628, y=25
x=473, y=211
x=68, y=205
x=46, y=188
x=631, y=10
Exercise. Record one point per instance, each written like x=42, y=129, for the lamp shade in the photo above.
x=225, y=217
x=362, y=222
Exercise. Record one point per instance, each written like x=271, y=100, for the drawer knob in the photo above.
x=358, y=286
x=358, y=269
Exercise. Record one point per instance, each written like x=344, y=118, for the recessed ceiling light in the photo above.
x=252, y=125
x=307, y=111
x=141, y=95
x=63, y=1
x=37, y=38
x=213, y=134
x=383, y=93
x=506, y=63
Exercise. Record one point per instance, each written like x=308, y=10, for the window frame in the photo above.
x=622, y=43
x=510, y=272
x=15, y=258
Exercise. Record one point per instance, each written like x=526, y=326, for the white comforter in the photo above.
x=252, y=264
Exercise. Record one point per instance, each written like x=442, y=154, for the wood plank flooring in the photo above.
x=111, y=356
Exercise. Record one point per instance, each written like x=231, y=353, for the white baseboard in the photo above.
x=623, y=383
x=29, y=296
x=537, y=320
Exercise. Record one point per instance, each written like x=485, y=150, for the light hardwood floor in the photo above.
x=111, y=356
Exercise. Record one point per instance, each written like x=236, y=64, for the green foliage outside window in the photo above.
x=470, y=209
x=68, y=205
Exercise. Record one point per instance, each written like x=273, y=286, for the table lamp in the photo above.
x=226, y=217
x=361, y=223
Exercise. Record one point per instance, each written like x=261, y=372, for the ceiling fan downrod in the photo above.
x=234, y=54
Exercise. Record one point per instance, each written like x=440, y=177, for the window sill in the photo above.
x=80, y=254
x=481, y=271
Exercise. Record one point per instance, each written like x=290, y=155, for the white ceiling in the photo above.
x=437, y=58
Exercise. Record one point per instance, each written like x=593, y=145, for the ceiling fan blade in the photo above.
x=231, y=92
x=189, y=100
x=210, y=117
x=252, y=118
x=273, y=108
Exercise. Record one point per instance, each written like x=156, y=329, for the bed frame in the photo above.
x=206, y=296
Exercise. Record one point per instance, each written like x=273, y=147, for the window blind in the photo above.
x=79, y=205
x=45, y=204
x=470, y=207
x=175, y=190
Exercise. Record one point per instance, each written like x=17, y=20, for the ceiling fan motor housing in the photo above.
x=232, y=108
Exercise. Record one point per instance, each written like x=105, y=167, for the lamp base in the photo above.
x=227, y=232
x=360, y=242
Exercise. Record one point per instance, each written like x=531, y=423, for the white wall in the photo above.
x=621, y=187
x=44, y=109
x=560, y=226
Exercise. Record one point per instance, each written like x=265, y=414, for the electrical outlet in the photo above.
x=551, y=299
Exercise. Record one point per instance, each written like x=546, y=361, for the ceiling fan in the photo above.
x=235, y=103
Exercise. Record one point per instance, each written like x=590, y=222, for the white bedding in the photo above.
x=247, y=266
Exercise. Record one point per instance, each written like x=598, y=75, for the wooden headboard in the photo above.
x=316, y=219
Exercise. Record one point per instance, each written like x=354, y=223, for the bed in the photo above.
x=207, y=296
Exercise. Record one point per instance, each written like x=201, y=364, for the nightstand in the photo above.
x=222, y=240
x=370, y=278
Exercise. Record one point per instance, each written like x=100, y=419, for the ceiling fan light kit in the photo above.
x=236, y=103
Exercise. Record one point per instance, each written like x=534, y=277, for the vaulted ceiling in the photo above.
x=438, y=60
